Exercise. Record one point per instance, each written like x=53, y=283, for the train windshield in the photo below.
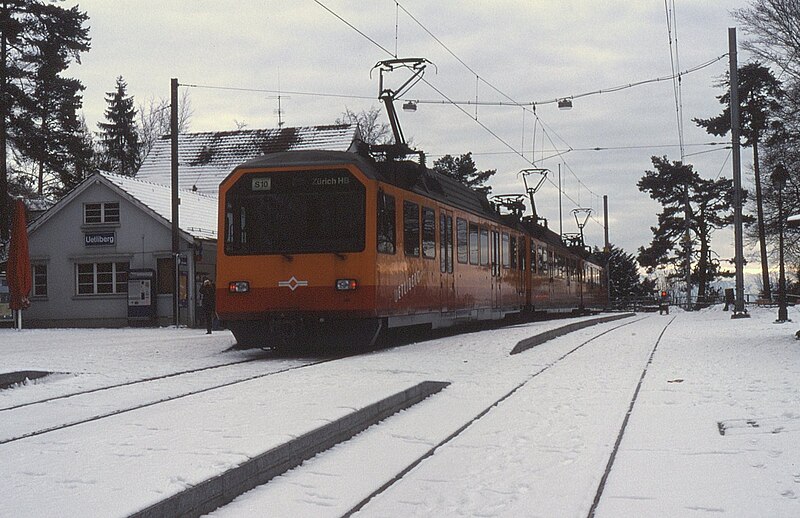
x=290, y=212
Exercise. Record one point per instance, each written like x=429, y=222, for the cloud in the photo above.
x=530, y=51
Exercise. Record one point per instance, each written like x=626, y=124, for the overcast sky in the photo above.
x=530, y=50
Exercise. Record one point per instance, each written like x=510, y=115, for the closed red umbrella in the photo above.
x=19, y=261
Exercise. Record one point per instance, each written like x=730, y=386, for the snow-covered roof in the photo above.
x=205, y=159
x=198, y=212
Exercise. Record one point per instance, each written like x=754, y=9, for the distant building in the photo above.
x=108, y=229
x=205, y=159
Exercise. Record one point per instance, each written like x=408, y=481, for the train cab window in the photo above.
x=514, y=252
x=387, y=243
x=474, y=247
x=411, y=232
x=445, y=243
x=295, y=212
x=462, y=241
x=521, y=253
x=484, y=246
x=506, y=257
x=428, y=233
x=534, y=258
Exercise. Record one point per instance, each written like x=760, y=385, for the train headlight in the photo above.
x=238, y=287
x=346, y=284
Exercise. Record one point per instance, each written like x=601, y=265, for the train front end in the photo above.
x=293, y=265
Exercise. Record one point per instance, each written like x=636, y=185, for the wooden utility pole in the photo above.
x=176, y=244
x=5, y=209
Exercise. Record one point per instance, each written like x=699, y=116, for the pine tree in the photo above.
x=759, y=97
x=623, y=272
x=118, y=136
x=710, y=203
x=463, y=169
x=38, y=106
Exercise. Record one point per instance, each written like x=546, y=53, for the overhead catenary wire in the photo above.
x=530, y=107
x=669, y=6
x=479, y=79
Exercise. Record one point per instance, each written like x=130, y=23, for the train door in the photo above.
x=446, y=279
x=497, y=299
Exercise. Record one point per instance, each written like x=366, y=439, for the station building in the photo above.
x=102, y=255
x=108, y=231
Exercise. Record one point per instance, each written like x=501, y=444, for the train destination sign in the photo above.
x=100, y=239
x=262, y=184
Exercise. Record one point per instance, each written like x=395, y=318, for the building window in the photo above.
x=96, y=213
x=166, y=275
x=39, y=280
x=102, y=278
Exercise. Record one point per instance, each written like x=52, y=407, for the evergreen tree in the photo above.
x=38, y=41
x=118, y=135
x=623, y=275
x=710, y=208
x=84, y=160
x=759, y=97
x=463, y=169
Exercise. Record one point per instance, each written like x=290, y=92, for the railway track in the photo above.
x=59, y=412
x=500, y=401
x=413, y=449
x=484, y=382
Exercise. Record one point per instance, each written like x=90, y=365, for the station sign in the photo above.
x=100, y=239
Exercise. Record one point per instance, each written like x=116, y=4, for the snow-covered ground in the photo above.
x=713, y=426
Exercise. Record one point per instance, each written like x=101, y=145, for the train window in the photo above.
x=462, y=241
x=534, y=258
x=445, y=243
x=228, y=224
x=514, y=255
x=496, y=253
x=506, y=257
x=484, y=246
x=449, y=239
x=442, y=244
x=521, y=253
x=428, y=233
x=386, y=224
x=297, y=211
x=473, y=244
x=411, y=228
x=544, y=266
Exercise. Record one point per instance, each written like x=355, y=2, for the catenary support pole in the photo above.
x=739, y=310
x=607, y=249
x=606, y=244
x=175, y=199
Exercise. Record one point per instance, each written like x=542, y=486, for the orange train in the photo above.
x=335, y=248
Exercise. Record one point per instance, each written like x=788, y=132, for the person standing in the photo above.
x=207, y=300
